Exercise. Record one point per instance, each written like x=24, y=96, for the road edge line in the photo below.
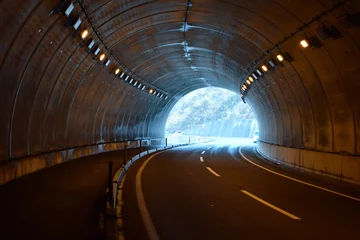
x=296, y=180
x=149, y=225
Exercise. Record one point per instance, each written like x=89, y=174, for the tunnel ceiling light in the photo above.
x=126, y=78
x=259, y=72
x=97, y=51
x=158, y=94
x=131, y=81
x=77, y=23
x=140, y=85
x=143, y=87
x=102, y=57
x=272, y=64
x=162, y=95
x=254, y=75
x=107, y=62
x=135, y=83
x=90, y=44
x=251, y=79
x=280, y=57
x=248, y=82
x=304, y=43
x=244, y=86
x=122, y=75
x=151, y=91
x=84, y=34
x=264, y=68
x=165, y=97
x=69, y=9
x=117, y=71
x=155, y=92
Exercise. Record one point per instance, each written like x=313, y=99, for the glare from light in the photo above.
x=264, y=68
x=304, y=43
x=280, y=57
x=117, y=71
x=84, y=34
x=102, y=57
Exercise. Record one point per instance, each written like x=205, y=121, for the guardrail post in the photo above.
x=140, y=146
x=125, y=154
x=111, y=190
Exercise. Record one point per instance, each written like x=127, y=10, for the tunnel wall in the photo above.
x=308, y=107
x=56, y=95
x=334, y=165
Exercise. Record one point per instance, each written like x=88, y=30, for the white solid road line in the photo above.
x=149, y=226
x=271, y=206
x=202, y=152
x=212, y=171
x=296, y=180
x=201, y=159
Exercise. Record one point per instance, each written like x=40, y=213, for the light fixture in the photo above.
x=251, y=79
x=158, y=94
x=244, y=86
x=140, y=85
x=117, y=71
x=272, y=63
x=107, y=63
x=135, y=83
x=254, y=75
x=304, y=43
x=126, y=78
x=248, y=82
x=102, y=57
x=259, y=72
x=122, y=75
x=154, y=93
x=151, y=91
x=264, y=68
x=165, y=97
x=131, y=81
x=90, y=44
x=69, y=9
x=84, y=34
x=280, y=57
x=77, y=23
x=97, y=51
x=143, y=88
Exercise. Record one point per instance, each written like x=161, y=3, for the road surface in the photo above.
x=210, y=191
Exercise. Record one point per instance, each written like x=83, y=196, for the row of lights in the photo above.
x=304, y=43
x=101, y=55
x=324, y=32
x=259, y=72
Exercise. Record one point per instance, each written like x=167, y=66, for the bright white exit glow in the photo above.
x=211, y=112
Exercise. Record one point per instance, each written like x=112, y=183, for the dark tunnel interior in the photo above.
x=59, y=93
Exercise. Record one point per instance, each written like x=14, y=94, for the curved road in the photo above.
x=211, y=191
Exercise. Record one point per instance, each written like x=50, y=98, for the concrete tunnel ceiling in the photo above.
x=56, y=94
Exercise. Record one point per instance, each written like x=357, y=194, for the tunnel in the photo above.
x=78, y=75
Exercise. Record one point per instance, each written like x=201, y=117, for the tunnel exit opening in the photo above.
x=211, y=113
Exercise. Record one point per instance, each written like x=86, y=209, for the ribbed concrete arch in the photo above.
x=56, y=95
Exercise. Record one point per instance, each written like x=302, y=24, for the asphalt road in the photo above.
x=223, y=196
x=61, y=202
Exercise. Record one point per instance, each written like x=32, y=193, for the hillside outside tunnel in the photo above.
x=67, y=93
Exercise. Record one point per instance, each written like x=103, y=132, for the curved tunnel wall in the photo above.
x=56, y=95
